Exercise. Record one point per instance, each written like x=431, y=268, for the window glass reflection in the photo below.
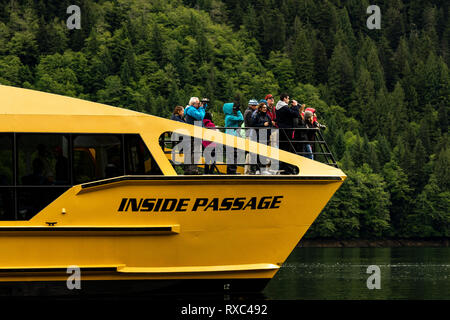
x=43, y=159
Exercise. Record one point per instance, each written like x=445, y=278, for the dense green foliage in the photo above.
x=384, y=94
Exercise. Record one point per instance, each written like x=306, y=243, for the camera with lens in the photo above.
x=204, y=101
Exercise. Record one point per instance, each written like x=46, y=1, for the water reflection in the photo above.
x=341, y=273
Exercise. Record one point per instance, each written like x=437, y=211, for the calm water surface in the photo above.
x=341, y=273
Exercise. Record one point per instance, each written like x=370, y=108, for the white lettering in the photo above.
x=209, y=311
x=374, y=281
x=374, y=21
x=73, y=282
x=74, y=21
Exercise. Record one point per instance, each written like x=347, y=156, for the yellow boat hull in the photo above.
x=89, y=231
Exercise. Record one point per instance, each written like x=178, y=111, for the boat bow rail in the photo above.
x=292, y=138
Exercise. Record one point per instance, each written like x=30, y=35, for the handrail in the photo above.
x=323, y=153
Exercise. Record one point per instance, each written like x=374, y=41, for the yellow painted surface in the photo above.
x=207, y=240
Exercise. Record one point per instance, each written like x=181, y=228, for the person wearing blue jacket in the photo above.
x=233, y=119
x=194, y=112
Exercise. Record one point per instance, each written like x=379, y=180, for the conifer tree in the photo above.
x=383, y=149
x=430, y=217
x=339, y=145
x=320, y=63
x=251, y=23
x=340, y=76
x=363, y=104
x=393, y=25
x=418, y=173
x=398, y=115
x=344, y=25
x=283, y=70
x=400, y=195
x=443, y=117
x=375, y=68
x=442, y=169
x=302, y=56
x=157, y=44
x=400, y=61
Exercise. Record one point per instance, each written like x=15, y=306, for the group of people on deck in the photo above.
x=285, y=115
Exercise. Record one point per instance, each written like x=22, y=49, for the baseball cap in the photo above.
x=269, y=96
x=253, y=102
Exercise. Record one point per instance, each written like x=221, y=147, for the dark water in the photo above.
x=341, y=273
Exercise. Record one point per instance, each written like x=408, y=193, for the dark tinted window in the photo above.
x=40, y=170
x=97, y=157
x=138, y=158
x=6, y=159
x=31, y=201
x=43, y=159
x=7, y=204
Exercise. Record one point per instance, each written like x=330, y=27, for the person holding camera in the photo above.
x=195, y=112
x=285, y=119
x=204, y=103
x=233, y=117
x=308, y=120
x=286, y=114
x=315, y=122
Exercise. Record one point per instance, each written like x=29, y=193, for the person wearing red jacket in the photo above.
x=271, y=112
x=314, y=118
x=208, y=146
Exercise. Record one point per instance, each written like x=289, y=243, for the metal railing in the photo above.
x=286, y=141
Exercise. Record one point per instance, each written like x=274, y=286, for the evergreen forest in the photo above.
x=384, y=94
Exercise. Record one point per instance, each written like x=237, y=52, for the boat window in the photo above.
x=7, y=204
x=96, y=157
x=31, y=200
x=6, y=159
x=139, y=161
x=36, y=168
x=43, y=159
